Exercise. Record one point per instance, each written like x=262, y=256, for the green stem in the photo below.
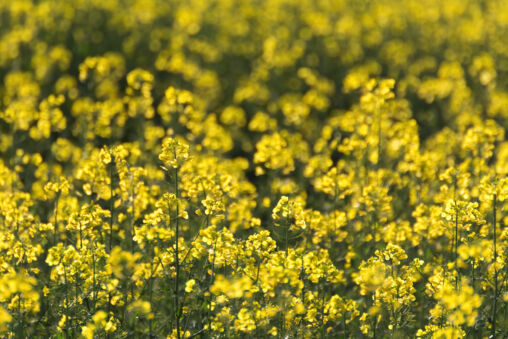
x=286, y=240
x=456, y=230
x=93, y=280
x=111, y=206
x=323, y=316
x=66, y=302
x=177, y=263
x=211, y=281
x=80, y=235
x=494, y=308
x=150, y=284
x=20, y=320
x=55, y=232
x=132, y=217
x=379, y=141
x=456, y=247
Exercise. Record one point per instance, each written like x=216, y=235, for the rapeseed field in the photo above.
x=253, y=169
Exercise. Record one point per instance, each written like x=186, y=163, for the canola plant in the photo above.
x=253, y=168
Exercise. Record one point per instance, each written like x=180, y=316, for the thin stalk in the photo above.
x=80, y=235
x=286, y=235
x=66, y=302
x=302, y=276
x=153, y=269
x=131, y=221
x=20, y=320
x=211, y=281
x=494, y=308
x=111, y=206
x=177, y=263
x=76, y=291
x=282, y=323
x=456, y=247
x=379, y=140
x=131, y=198
x=13, y=153
x=55, y=232
x=150, y=284
x=456, y=230
x=323, y=316
x=93, y=280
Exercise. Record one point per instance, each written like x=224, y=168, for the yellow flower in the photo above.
x=189, y=285
x=174, y=153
